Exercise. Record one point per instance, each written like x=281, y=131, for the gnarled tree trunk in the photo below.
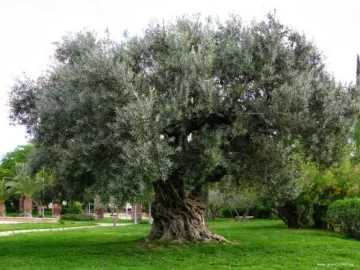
x=2, y=209
x=28, y=207
x=290, y=213
x=176, y=216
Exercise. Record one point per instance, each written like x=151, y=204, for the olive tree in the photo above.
x=215, y=202
x=185, y=104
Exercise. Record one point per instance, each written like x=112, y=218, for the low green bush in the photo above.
x=228, y=213
x=257, y=212
x=345, y=215
x=9, y=208
x=263, y=212
x=73, y=208
x=77, y=217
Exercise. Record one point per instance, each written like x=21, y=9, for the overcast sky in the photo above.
x=29, y=27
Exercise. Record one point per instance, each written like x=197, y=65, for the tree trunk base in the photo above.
x=99, y=214
x=56, y=210
x=290, y=213
x=98, y=208
x=176, y=235
x=28, y=207
x=179, y=218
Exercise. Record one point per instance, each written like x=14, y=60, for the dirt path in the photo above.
x=6, y=233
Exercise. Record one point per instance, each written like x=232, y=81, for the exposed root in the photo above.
x=178, y=218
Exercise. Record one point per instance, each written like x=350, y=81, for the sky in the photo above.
x=28, y=30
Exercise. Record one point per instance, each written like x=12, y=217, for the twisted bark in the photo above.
x=290, y=213
x=177, y=216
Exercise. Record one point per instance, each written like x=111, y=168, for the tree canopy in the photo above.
x=8, y=162
x=187, y=103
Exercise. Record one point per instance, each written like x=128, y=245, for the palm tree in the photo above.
x=22, y=183
x=5, y=193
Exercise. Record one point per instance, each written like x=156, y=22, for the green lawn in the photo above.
x=62, y=224
x=256, y=245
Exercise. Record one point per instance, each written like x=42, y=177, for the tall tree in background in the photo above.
x=8, y=169
x=5, y=193
x=25, y=185
x=186, y=104
x=215, y=202
x=18, y=155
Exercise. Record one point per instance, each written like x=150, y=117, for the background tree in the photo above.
x=98, y=208
x=8, y=162
x=186, y=104
x=215, y=202
x=282, y=192
x=243, y=196
x=324, y=187
x=22, y=183
x=233, y=201
x=5, y=193
x=249, y=200
x=45, y=196
x=7, y=169
x=307, y=197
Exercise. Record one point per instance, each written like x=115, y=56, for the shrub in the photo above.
x=9, y=207
x=77, y=217
x=227, y=212
x=263, y=212
x=345, y=214
x=73, y=208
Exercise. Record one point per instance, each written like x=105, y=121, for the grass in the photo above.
x=256, y=245
x=62, y=224
x=34, y=214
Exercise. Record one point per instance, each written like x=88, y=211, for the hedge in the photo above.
x=345, y=215
x=77, y=217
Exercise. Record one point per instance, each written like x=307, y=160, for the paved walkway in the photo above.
x=6, y=233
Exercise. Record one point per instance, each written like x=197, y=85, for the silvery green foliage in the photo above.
x=283, y=187
x=188, y=102
x=215, y=200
